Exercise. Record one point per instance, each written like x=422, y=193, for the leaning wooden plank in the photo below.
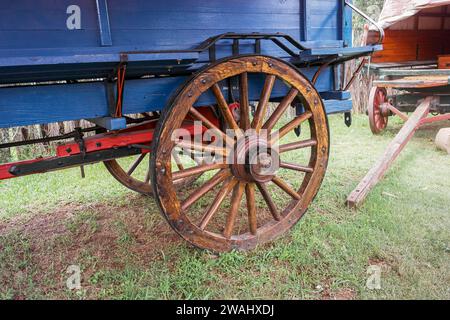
x=357, y=197
x=415, y=82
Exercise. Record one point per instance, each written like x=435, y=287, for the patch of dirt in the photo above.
x=325, y=292
x=96, y=237
x=341, y=294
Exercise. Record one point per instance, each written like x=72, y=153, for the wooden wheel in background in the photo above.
x=378, y=115
x=241, y=204
x=134, y=172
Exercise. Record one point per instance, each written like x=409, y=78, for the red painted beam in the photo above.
x=141, y=134
x=4, y=168
x=441, y=117
x=107, y=141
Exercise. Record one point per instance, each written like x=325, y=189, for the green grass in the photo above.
x=127, y=251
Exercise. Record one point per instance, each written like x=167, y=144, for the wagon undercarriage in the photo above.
x=230, y=135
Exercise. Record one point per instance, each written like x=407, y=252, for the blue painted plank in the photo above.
x=110, y=123
x=338, y=106
x=21, y=106
x=103, y=21
x=336, y=95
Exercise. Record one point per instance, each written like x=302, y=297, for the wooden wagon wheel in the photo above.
x=272, y=205
x=134, y=172
x=378, y=116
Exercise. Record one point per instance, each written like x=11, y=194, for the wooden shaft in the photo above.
x=263, y=103
x=135, y=164
x=297, y=145
x=251, y=207
x=199, y=193
x=187, y=145
x=236, y=199
x=223, y=106
x=291, y=126
x=183, y=174
x=357, y=197
x=244, y=102
x=279, y=111
x=208, y=124
x=266, y=195
x=286, y=188
x=394, y=110
x=296, y=167
x=212, y=210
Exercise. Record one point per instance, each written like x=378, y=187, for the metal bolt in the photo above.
x=316, y=101
x=204, y=81
x=189, y=94
x=308, y=89
x=99, y=144
x=163, y=171
x=68, y=150
x=255, y=63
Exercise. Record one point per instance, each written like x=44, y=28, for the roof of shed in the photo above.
x=395, y=11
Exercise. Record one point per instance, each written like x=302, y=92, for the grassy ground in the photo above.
x=126, y=250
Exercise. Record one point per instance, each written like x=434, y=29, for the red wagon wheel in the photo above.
x=212, y=213
x=378, y=116
x=134, y=172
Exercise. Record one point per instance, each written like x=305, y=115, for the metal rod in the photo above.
x=71, y=135
x=365, y=16
x=358, y=71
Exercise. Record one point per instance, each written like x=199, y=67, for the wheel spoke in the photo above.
x=223, y=106
x=136, y=164
x=263, y=103
x=187, y=145
x=296, y=167
x=276, y=115
x=286, y=188
x=183, y=174
x=208, y=124
x=297, y=145
x=236, y=199
x=147, y=177
x=290, y=126
x=177, y=159
x=212, y=210
x=251, y=208
x=211, y=184
x=266, y=195
x=244, y=102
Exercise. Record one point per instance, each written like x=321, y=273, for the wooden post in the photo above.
x=357, y=197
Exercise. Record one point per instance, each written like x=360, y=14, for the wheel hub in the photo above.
x=254, y=160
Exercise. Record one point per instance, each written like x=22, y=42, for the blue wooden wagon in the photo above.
x=247, y=83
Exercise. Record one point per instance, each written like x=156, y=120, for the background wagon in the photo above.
x=414, y=61
x=141, y=72
x=413, y=76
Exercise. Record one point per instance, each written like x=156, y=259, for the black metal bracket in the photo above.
x=72, y=161
x=276, y=38
x=283, y=41
x=348, y=119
